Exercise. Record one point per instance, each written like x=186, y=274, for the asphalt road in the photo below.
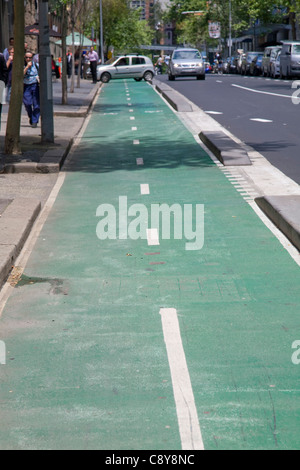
x=259, y=111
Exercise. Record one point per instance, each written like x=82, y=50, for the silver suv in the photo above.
x=126, y=66
x=186, y=63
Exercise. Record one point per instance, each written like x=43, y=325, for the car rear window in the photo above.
x=138, y=60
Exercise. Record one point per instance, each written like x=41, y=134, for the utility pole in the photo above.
x=230, y=28
x=45, y=73
x=101, y=33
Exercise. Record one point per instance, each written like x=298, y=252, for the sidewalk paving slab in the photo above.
x=15, y=225
x=67, y=123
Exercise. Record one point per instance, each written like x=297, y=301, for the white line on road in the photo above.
x=261, y=120
x=213, y=112
x=262, y=92
x=152, y=236
x=145, y=190
x=189, y=428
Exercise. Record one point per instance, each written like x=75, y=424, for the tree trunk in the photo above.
x=64, y=77
x=72, y=86
x=12, y=138
x=293, y=25
x=45, y=69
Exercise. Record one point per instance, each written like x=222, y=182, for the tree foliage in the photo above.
x=194, y=29
x=122, y=28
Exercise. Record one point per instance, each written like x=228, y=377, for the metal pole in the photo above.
x=101, y=33
x=45, y=73
x=230, y=29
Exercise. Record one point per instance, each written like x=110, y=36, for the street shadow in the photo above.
x=122, y=155
x=271, y=146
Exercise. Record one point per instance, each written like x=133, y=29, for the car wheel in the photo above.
x=200, y=77
x=171, y=78
x=105, y=77
x=148, y=76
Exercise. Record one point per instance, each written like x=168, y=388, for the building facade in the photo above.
x=31, y=18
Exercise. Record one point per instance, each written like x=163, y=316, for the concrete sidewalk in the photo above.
x=68, y=119
x=27, y=180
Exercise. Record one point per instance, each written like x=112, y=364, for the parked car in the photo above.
x=186, y=63
x=126, y=66
x=232, y=64
x=290, y=59
x=246, y=62
x=275, y=65
x=269, y=55
x=255, y=66
x=226, y=65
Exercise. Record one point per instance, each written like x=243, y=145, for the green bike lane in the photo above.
x=87, y=365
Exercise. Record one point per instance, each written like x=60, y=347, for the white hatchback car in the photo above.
x=136, y=66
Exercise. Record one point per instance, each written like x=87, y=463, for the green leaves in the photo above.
x=194, y=29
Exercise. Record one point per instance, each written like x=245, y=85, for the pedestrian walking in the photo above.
x=3, y=82
x=159, y=65
x=6, y=51
x=93, y=58
x=31, y=96
x=9, y=65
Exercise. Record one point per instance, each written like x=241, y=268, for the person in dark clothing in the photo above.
x=31, y=95
x=69, y=64
x=3, y=82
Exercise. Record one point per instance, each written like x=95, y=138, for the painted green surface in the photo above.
x=87, y=365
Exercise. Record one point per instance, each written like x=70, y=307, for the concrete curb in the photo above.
x=51, y=162
x=284, y=211
x=225, y=149
x=175, y=99
x=15, y=225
